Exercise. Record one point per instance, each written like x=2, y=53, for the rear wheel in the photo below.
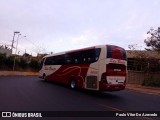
x=73, y=84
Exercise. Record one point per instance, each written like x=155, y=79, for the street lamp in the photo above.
x=16, y=51
x=16, y=32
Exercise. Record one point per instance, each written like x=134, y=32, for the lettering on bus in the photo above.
x=50, y=68
x=94, y=72
x=118, y=61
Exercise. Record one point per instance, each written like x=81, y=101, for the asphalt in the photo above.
x=135, y=87
x=29, y=93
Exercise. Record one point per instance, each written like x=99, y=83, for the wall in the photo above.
x=137, y=77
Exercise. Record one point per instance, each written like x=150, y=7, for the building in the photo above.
x=140, y=60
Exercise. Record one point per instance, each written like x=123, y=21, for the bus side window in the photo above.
x=91, y=55
x=89, y=60
x=60, y=60
x=52, y=61
x=76, y=60
x=67, y=59
x=88, y=56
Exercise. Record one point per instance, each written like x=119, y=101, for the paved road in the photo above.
x=29, y=93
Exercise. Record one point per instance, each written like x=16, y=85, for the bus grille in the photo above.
x=92, y=82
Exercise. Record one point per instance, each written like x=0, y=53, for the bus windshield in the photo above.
x=116, y=52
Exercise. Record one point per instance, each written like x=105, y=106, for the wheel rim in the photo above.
x=73, y=84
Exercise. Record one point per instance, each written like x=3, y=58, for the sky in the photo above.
x=62, y=25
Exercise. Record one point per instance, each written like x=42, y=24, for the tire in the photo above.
x=44, y=77
x=73, y=84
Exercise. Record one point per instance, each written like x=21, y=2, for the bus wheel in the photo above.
x=44, y=77
x=73, y=84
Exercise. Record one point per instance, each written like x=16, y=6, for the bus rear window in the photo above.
x=116, y=52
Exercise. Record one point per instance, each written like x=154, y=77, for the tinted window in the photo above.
x=90, y=56
x=58, y=60
x=48, y=61
x=116, y=52
x=85, y=56
x=41, y=63
x=55, y=60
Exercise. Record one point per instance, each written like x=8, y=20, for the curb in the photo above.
x=12, y=73
x=143, y=89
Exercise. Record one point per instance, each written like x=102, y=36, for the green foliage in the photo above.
x=2, y=58
x=10, y=61
x=153, y=65
x=153, y=41
x=34, y=64
x=22, y=63
x=153, y=82
x=6, y=63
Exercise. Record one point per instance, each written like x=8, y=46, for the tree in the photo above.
x=23, y=63
x=2, y=59
x=9, y=61
x=34, y=64
x=153, y=41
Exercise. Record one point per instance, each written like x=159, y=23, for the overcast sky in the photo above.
x=60, y=25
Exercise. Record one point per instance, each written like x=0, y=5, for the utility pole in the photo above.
x=158, y=33
x=16, y=51
x=14, y=63
x=12, y=46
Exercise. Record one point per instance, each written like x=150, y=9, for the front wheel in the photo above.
x=44, y=77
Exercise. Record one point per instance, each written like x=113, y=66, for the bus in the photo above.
x=99, y=68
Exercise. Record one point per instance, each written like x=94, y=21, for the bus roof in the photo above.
x=76, y=50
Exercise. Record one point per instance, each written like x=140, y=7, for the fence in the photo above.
x=137, y=77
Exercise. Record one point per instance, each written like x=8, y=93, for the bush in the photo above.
x=10, y=61
x=6, y=63
x=34, y=64
x=22, y=63
x=2, y=58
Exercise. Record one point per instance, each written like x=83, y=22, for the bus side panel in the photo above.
x=50, y=69
x=91, y=79
x=102, y=85
x=66, y=72
x=102, y=67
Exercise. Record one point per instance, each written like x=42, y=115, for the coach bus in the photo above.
x=99, y=68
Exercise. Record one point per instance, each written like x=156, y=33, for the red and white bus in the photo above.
x=100, y=68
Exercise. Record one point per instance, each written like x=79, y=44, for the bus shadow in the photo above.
x=101, y=95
